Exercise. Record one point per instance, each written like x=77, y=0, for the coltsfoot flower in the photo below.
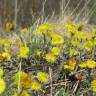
x=73, y=52
x=2, y=86
x=71, y=64
x=93, y=85
x=24, y=52
x=6, y=55
x=45, y=27
x=24, y=79
x=8, y=26
x=24, y=93
x=88, y=64
x=55, y=51
x=25, y=30
x=1, y=72
x=91, y=64
x=36, y=86
x=56, y=38
x=88, y=45
x=43, y=77
x=50, y=57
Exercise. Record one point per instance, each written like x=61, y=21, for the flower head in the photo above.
x=65, y=46
x=38, y=53
x=83, y=35
x=55, y=51
x=6, y=55
x=25, y=30
x=83, y=65
x=56, y=39
x=2, y=86
x=88, y=45
x=24, y=93
x=24, y=52
x=69, y=26
x=1, y=72
x=50, y=57
x=91, y=64
x=8, y=26
x=71, y=64
x=76, y=44
x=43, y=77
x=45, y=27
x=1, y=57
x=73, y=52
x=93, y=85
x=36, y=86
x=88, y=64
x=5, y=42
x=24, y=79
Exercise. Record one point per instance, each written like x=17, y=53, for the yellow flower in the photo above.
x=15, y=94
x=68, y=35
x=91, y=36
x=83, y=35
x=8, y=26
x=1, y=57
x=65, y=46
x=66, y=66
x=70, y=27
x=88, y=64
x=83, y=65
x=25, y=30
x=76, y=43
x=24, y=79
x=73, y=52
x=56, y=38
x=71, y=64
x=70, y=68
x=42, y=76
x=2, y=86
x=55, y=51
x=76, y=35
x=45, y=27
x=24, y=93
x=1, y=72
x=38, y=53
x=6, y=49
x=94, y=42
x=88, y=45
x=6, y=55
x=91, y=64
x=5, y=42
x=50, y=57
x=20, y=43
x=93, y=85
x=36, y=86
x=24, y=52
x=94, y=30
x=93, y=33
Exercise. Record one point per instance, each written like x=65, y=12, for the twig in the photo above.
x=15, y=15
x=77, y=83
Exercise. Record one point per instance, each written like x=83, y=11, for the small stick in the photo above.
x=75, y=89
